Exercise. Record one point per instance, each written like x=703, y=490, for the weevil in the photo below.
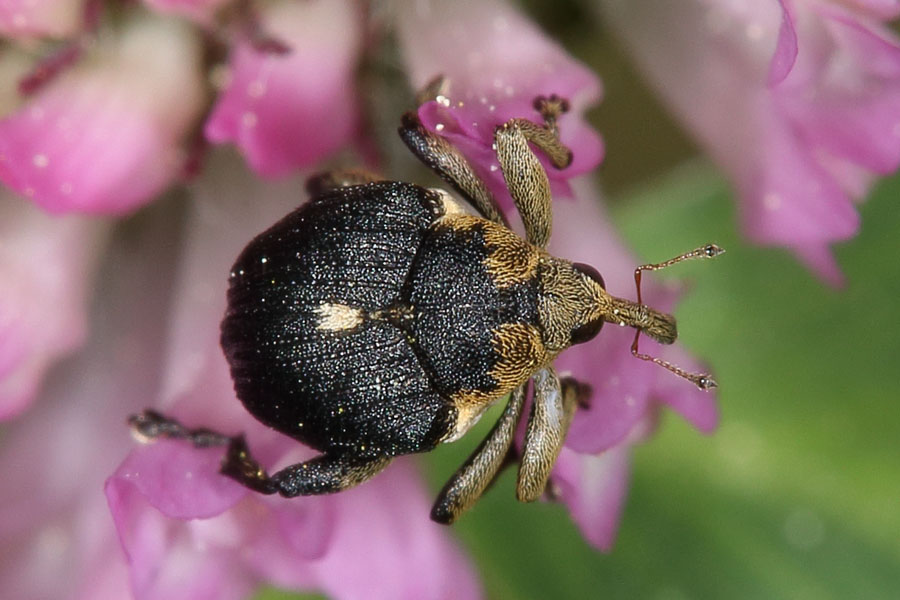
x=381, y=318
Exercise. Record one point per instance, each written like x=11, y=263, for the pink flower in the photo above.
x=58, y=538
x=798, y=101
x=288, y=110
x=41, y=18
x=496, y=63
x=105, y=135
x=47, y=267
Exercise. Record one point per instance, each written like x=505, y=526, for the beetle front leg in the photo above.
x=324, y=474
x=443, y=158
x=554, y=406
x=524, y=174
x=472, y=479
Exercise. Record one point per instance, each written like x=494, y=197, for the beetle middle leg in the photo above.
x=554, y=406
x=523, y=172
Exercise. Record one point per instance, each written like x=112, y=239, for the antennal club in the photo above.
x=701, y=380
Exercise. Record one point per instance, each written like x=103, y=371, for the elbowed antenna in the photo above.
x=701, y=380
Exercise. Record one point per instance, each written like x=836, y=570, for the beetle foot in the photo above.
x=244, y=469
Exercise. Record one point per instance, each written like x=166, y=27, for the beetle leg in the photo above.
x=554, y=406
x=338, y=178
x=525, y=175
x=150, y=425
x=324, y=474
x=471, y=480
x=443, y=158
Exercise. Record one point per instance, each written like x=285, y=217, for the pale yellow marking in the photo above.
x=511, y=259
x=467, y=416
x=338, y=317
x=452, y=206
x=522, y=353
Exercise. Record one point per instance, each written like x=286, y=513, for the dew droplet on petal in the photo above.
x=439, y=127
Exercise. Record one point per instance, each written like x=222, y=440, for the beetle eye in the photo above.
x=586, y=332
x=590, y=272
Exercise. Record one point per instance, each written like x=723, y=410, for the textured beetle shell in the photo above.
x=379, y=386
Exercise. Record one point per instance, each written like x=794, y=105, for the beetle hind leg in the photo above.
x=324, y=474
x=473, y=478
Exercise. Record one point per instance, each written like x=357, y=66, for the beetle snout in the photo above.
x=661, y=327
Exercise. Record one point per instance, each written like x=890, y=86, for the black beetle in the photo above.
x=380, y=319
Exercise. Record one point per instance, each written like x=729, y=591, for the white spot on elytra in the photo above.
x=264, y=260
x=40, y=160
x=248, y=119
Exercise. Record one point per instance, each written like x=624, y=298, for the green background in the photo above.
x=797, y=495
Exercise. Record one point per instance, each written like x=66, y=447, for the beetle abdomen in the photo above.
x=306, y=333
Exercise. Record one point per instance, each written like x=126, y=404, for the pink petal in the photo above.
x=58, y=539
x=786, y=50
x=798, y=101
x=180, y=481
x=496, y=62
x=104, y=136
x=385, y=530
x=40, y=18
x=593, y=487
x=47, y=264
x=624, y=388
x=286, y=111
